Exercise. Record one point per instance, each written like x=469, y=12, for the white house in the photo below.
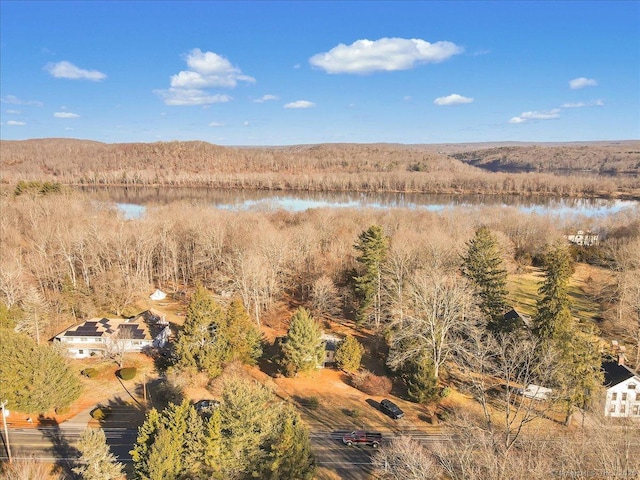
x=623, y=390
x=98, y=335
x=585, y=239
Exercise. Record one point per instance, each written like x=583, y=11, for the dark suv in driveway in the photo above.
x=391, y=409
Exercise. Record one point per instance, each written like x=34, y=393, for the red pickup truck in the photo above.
x=360, y=437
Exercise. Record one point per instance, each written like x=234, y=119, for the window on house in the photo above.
x=80, y=352
x=635, y=411
x=624, y=397
x=83, y=339
x=614, y=396
x=632, y=386
x=612, y=409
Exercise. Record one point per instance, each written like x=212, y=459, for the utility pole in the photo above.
x=6, y=431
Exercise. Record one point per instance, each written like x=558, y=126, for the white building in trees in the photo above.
x=623, y=389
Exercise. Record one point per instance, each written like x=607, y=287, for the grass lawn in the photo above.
x=586, y=280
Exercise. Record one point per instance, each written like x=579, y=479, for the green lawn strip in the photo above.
x=523, y=296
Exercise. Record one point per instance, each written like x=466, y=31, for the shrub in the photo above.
x=100, y=413
x=313, y=403
x=89, y=372
x=351, y=412
x=127, y=373
x=371, y=384
x=445, y=392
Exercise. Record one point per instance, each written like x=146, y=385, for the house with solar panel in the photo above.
x=99, y=336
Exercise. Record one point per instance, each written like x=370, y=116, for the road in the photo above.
x=57, y=445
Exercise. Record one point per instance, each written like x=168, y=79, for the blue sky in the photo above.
x=301, y=72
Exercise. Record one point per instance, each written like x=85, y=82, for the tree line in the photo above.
x=326, y=167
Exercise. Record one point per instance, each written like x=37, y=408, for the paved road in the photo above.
x=57, y=445
x=351, y=463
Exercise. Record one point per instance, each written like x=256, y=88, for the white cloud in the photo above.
x=385, y=54
x=206, y=70
x=245, y=123
x=525, y=116
x=594, y=103
x=15, y=123
x=216, y=124
x=266, y=98
x=182, y=96
x=300, y=104
x=582, y=82
x=66, y=115
x=407, y=98
x=13, y=112
x=13, y=100
x=453, y=99
x=70, y=71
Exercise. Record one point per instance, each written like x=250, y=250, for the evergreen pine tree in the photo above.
x=290, y=454
x=372, y=246
x=349, y=354
x=213, y=446
x=169, y=444
x=34, y=378
x=578, y=368
x=146, y=436
x=96, y=461
x=303, y=349
x=248, y=416
x=199, y=344
x=164, y=457
x=580, y=375
x=483, y=266
x=553, y=320
x=422, y=384
x=249, y=435
x=244, y=340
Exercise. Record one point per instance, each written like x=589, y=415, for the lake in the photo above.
x=134, y=201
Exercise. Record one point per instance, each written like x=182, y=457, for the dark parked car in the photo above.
x=391, y=409
x=206, y=406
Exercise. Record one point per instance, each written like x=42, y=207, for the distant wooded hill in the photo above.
x=379, y=167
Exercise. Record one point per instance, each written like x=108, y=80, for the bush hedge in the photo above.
x=371, y=384
x=89, y=372
x=127, y=373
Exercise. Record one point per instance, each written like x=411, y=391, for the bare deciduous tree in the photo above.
x=495, y=367
x=324, y=296
x=404, y=459
x=440, y=304
x=29, y=469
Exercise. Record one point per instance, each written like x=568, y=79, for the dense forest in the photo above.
x=597, y=169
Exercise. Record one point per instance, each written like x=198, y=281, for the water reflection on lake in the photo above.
x=134, y=201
